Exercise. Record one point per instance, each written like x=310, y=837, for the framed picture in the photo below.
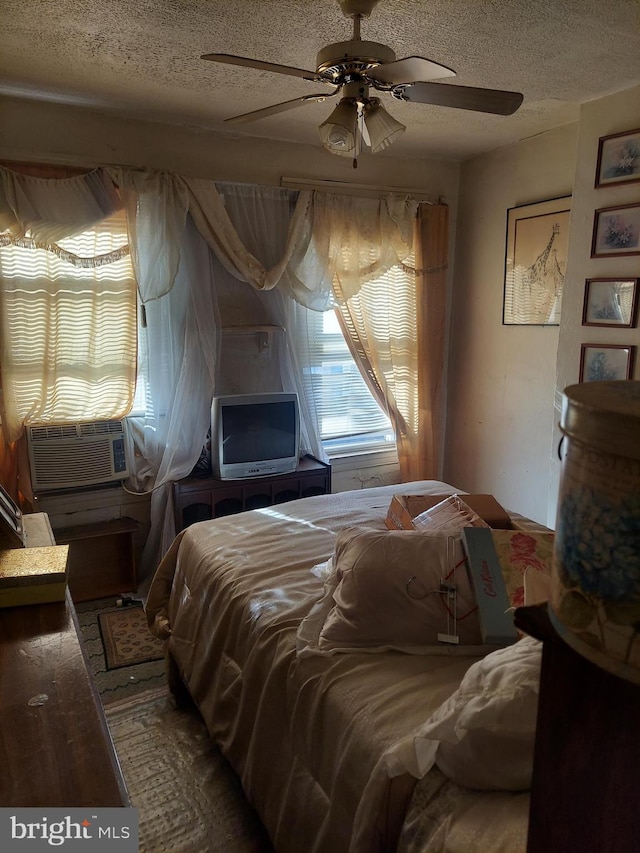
x=610, y=302
x=535, y=262
x=618, y=158
x=599, y=362
x=616, y=231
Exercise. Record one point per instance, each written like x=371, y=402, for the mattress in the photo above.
x=307, y=736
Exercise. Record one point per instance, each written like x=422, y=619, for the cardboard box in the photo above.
x=404, y=508
x=494, y=608
x=33, y=575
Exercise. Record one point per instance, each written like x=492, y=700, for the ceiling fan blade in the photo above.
x=462, y=97
x=279, y=108
x=230, y=59
x=409, y=70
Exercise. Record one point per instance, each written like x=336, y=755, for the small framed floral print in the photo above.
x=616, y=231
x=618, y=158
x=606, y=362
x=610, y=302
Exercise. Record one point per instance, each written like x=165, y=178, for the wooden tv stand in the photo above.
x=55, y=747
x=203, y=498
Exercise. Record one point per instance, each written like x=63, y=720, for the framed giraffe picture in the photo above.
x=536, y=262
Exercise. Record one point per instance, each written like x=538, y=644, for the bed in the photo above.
x=329, y=747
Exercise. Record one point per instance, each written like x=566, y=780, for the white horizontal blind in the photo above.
x=384, y=312
x=349, y=417
x=69, y=327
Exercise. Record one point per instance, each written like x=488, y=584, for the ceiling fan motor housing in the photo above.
x=357, y=7
x=352, y=57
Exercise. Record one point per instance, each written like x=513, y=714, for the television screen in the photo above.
x=258, y=431
x=254, y=435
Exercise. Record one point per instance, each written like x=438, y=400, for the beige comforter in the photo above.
x=306, y=736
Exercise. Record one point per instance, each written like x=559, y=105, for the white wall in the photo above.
x=502, y=378
x=613, y=114
x=38, y=131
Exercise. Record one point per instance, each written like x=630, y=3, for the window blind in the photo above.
x=69, y=327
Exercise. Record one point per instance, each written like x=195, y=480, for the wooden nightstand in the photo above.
x=203, y=498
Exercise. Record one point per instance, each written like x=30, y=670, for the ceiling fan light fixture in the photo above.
x=339, y=133
x=382, y=127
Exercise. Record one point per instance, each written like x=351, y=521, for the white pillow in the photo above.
x=483, y=735
x=383, y=593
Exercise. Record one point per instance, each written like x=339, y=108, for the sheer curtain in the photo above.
x=188, y=363
x=385, y=271
x=182, y=338
x=398, y=343
x=156, y=205
x=347, y=241
x=264, y=218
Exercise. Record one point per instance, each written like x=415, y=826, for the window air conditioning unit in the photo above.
x=66, y=456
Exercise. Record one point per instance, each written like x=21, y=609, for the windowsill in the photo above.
x=363, y=458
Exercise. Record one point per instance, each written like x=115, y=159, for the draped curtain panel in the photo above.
x=432, y=251
x=182, y=337
x=267, y=220
x=398, y=343
x=156, y=205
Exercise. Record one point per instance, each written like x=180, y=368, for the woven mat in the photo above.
x=114, y=684
x=126, y=637
x=189, y=799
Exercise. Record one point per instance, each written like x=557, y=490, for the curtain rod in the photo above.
x=356, y=189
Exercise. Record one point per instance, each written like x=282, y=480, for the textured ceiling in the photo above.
x=141, y=58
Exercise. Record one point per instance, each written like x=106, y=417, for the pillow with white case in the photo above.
x=483, y=736
x=383, y=593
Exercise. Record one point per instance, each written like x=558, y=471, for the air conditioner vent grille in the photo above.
x=72, y=455
x=101, y=428
x=49, y=433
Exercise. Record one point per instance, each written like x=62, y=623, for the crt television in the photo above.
x=254, y=435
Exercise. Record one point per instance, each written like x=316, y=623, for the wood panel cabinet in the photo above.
x=586, y=772
x=203, y=498
x=101, y=558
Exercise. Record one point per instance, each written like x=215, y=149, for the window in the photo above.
x=71, y=307
x=382, y=318
x=349, y=417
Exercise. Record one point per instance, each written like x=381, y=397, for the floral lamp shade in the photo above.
x=595, y=599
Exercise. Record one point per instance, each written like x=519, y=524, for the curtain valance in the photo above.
x=49, y=210
x=348, y=241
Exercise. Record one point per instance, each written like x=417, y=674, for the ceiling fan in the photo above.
x=352, y=69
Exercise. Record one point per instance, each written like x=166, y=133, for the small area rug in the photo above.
x=189, y=799
x=126, y=637
x=125, y=681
